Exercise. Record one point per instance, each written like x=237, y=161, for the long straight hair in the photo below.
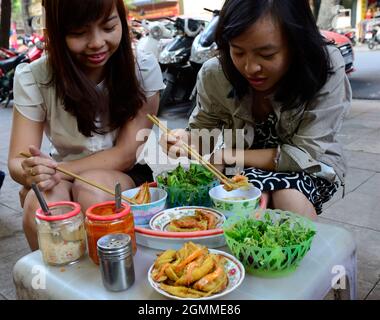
x=80, y=96
x=310, y=62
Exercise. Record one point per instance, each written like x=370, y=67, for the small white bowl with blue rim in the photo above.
x=142, y=213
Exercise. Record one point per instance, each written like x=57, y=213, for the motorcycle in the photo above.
x=8, y=67
x=375, y=39
x=178, y=74
x=203, y=48
x=157, y=35
x=6, y=54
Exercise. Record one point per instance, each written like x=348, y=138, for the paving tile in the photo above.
x=13, y=244
x=7, y=288
x=375, y=293
x=355, y=178
x=368, y=256
x=363, y=289
x=362, y=160
x=10, y=221
x=359, y=208
x=367, y=143
x=9, y=193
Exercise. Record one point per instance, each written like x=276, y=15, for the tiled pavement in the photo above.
x=358, y=211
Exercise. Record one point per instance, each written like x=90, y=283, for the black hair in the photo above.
x=80, y=96
x=310, y=63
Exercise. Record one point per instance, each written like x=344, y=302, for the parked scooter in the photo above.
x=204, y=46
x=375, y=40
x=8, y=67
x=157, y=35
x=6, y=54
x=178, y=74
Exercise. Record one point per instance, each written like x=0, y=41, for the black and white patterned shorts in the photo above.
x=317, y=190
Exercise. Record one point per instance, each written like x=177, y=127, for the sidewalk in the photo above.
x=356, y=212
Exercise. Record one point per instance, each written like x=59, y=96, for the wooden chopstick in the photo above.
x=192, y=152
x=91, y=183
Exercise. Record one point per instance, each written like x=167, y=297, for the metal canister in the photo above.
x=116, y=261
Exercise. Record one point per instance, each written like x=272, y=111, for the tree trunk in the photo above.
x=326, y=14
x=26, y=16
x=5, y=22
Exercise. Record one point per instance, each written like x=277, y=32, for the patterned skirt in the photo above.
x=317, y=190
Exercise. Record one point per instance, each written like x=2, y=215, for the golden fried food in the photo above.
x=181, y=291
x=190, y=272
x=238, y=182
x=143, y=196
x=202, y=220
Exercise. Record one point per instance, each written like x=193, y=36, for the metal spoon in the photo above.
x=118, y=206
x=41, y=200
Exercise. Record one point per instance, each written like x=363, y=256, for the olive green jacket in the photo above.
x=308, y=134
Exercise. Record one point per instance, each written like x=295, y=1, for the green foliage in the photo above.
x=270, y=234
x=190, y=179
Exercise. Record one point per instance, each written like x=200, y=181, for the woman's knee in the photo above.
x=106, y=178
x=295, y=201
x=30, y=206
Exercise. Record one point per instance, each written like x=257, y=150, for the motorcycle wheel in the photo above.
x=371, y=45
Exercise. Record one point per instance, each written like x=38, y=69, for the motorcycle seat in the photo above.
x=11, y=63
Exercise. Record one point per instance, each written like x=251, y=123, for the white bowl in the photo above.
x=142, y=213
x=162, y=219
x=236, y=201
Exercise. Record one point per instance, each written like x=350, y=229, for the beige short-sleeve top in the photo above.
x=37, y=101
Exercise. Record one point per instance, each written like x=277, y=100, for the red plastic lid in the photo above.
x=171, y=234
x=105, y=211
x=75, y=210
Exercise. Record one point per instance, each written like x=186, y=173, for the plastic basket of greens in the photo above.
x=187, y=187
x=269, y=243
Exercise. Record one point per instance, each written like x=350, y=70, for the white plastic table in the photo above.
x=332, y=256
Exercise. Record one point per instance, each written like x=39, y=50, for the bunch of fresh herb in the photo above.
x=190, y=179
x=268, y=233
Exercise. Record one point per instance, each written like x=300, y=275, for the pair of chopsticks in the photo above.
x=91, y=183
x=193, y=153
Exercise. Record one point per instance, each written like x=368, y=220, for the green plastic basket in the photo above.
x=270, y=262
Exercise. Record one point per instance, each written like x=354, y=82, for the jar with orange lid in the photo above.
x=102, y=219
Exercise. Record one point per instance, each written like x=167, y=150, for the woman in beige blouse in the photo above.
x=90, y=97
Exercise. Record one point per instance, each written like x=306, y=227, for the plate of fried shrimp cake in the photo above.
x=195, y=272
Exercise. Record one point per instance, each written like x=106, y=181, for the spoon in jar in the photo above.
x=118, y=206
x=41, y=200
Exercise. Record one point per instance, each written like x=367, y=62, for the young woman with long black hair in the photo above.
x=278, y=78
x=90, y=96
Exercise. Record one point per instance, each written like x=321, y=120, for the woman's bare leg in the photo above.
x=293, y=200
x=61, y=192
x=87, y=195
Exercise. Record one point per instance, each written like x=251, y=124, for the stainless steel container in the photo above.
x=116, y=261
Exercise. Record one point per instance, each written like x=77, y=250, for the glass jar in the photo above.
x=61, y=235
x=101, y=220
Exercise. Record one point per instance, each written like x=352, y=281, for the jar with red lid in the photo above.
x=61, y=235
x=102, y=219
